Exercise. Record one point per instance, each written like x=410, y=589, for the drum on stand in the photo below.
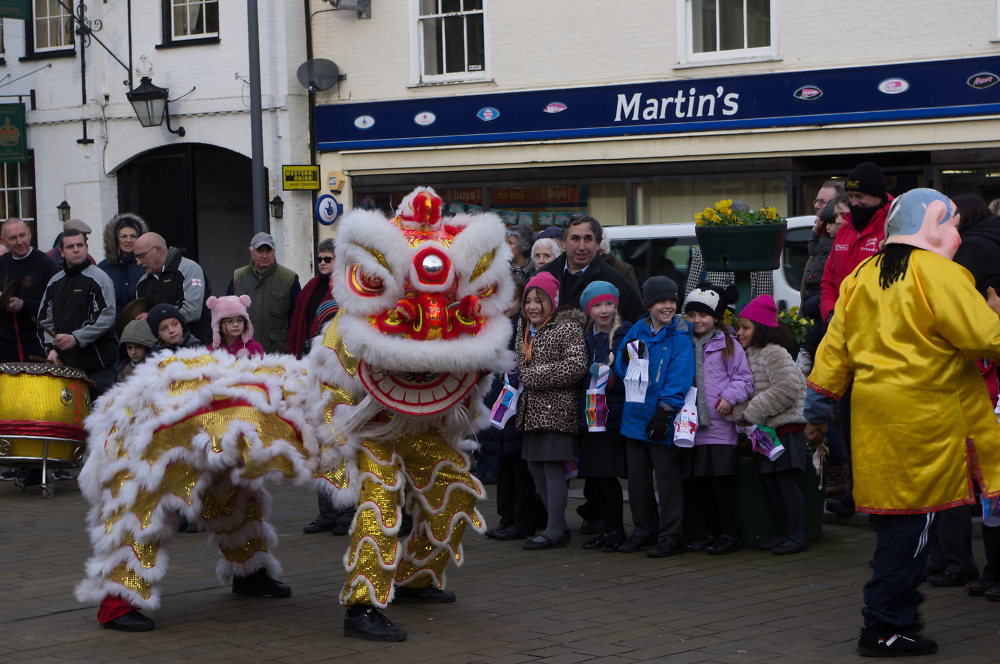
x=42, y=410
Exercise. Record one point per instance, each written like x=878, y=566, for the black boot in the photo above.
x=364, y=621
x=426, y=595
x=133, y=621
x=259, y=584
x=893, y=643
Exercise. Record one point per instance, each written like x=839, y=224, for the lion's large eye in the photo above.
x=364, y=284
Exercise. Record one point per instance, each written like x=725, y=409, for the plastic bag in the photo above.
x=597, y=403
x=763, y=440
x=506, y=404
x=637, y=375
x=686, y=422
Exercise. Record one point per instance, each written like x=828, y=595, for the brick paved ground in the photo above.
x=559, y=607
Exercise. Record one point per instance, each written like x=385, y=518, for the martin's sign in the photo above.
x=879, y=94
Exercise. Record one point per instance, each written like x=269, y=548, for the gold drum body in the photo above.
x=42, y=410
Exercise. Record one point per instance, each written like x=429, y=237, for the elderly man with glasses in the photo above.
x=172, y=279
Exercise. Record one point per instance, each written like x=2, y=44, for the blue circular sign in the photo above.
x=328, y=210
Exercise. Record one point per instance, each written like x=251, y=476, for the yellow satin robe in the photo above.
x=922, y=425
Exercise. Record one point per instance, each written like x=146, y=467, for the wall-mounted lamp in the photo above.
x=277, y=207
x=63, y=211
x=150, y=104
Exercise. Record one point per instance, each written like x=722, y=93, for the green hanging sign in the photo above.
x=14, y=9
x=13, y=144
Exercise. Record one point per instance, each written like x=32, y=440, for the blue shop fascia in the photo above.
x=672, y=143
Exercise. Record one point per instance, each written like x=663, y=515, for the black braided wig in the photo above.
x=892, y=262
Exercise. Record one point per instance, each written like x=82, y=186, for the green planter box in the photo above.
x=742, y=248
x=755, y=518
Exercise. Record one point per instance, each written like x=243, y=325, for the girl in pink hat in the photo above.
x=231, y=327
x=551, y=359
x=779, y=391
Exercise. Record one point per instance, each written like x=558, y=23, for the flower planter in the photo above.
x=742, y=248
x=755, y=518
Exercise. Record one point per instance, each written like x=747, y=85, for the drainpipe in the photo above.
x=312, y=136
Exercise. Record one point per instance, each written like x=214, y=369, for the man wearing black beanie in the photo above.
x=856, y=242
x=860, y=239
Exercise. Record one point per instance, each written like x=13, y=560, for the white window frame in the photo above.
x=35, y=19
x=685, y=42
x=202, y=35
x=20, y=192
x=417, y=76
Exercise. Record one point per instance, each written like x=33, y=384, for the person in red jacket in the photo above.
x=857, y=240
x=862, y=237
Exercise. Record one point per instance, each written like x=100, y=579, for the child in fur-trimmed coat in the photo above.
x=232, y=330
x=778, y=399
x=551, y=359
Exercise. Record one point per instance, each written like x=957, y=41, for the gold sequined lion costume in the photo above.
x=380, y=414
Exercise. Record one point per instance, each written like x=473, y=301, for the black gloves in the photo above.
x=627, y=357
x=659, y=426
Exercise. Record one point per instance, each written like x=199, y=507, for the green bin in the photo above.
x=742, y=248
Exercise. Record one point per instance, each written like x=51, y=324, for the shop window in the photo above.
x=190, y=22
x=49, y=31
x=3, y=49
x=540, y=207
x=17, y=192
x=724, y=30
x=678, y=202
x=449, y=41
x=657, y=257
x=985, y=183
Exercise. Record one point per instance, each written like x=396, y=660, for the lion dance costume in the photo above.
x=378, y=416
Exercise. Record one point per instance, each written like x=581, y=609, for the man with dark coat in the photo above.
x=79, y=306
x=119, y=262
x=18, y=334
x=621, y=266
x=580, y=264
x=172, y=279
x=273, y=290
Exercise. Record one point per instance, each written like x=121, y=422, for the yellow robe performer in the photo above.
x=907, y=329
x=921, y=419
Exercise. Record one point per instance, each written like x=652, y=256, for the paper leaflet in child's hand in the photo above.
x=686, y=422
x=506, y=404
x=637, y=375
x=763, y=440
x=597, y=404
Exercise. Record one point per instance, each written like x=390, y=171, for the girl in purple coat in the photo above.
x=723, y=379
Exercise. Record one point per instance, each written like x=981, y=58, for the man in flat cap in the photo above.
x=272, y=288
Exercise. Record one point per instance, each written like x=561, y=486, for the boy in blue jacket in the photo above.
x=649, y=426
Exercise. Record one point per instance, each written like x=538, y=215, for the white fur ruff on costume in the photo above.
x=199, y=435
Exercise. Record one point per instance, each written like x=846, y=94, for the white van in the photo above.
x=665, y=249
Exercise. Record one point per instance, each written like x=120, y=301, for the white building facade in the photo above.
x=647, y=112
x=193, y=189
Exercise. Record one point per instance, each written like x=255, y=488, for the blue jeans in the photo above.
x=891, y=597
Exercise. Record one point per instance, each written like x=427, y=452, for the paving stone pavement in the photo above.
x=558, y=606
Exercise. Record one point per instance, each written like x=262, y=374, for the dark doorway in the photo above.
x=200, y=199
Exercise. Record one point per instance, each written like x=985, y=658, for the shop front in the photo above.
x=657, y=153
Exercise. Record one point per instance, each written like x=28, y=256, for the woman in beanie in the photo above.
x=723, y=379
x=602, y=452
x=551, y=359
x=661, y=339
x=779, y=392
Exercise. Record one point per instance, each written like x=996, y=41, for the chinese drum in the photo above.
x=42, y=410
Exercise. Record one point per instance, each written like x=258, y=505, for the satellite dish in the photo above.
x=318, y=74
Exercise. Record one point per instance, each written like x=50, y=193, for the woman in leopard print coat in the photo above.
x=551, y=359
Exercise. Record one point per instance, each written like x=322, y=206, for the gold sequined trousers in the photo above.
x=440, y=494
x=235, y=515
